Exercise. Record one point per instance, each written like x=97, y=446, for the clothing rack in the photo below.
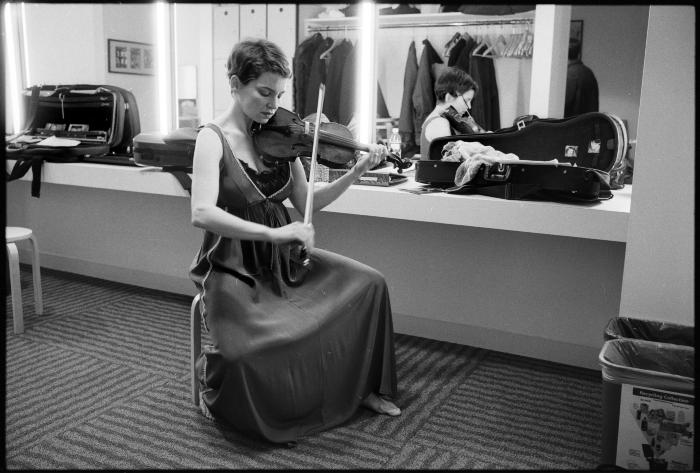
x=346, y=27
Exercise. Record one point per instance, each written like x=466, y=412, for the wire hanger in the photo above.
x=327, y=53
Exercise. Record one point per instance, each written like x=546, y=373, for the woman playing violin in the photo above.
x=296, y=349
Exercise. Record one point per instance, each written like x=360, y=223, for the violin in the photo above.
x=286, y=136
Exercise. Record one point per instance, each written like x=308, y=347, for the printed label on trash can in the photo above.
x=655, y=429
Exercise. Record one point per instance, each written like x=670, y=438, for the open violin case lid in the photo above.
x=586, y=148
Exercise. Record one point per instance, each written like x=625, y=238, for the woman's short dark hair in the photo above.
x=455, y=81
x=250, y=58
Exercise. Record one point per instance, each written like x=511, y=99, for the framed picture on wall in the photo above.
x=130, y=57
x=576, y=33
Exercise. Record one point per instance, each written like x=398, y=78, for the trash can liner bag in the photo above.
x=652, y=330
x=650, y=364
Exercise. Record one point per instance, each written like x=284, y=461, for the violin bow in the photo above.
x=308, y=210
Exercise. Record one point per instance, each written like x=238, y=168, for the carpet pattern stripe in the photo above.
x=101, y=381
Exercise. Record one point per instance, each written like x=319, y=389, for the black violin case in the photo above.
x=73, y=122
x=172, y=151
x=587, y=148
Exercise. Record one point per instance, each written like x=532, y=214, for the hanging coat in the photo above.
x=334, y=78
x=485, y=105
x=461, y=57
x=316, y=72
x=346, y=102
x=455, y=51
x=301, y=65
x=424, y=93
x=406, y=126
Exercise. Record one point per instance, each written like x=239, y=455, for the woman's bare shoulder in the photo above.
x=208, y=143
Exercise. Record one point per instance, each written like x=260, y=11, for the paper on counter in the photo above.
x=52, y=141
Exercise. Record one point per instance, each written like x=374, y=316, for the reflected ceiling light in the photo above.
x=163, y=76
x=365, y=73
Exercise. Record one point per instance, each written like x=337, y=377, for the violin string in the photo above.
x=339, y=140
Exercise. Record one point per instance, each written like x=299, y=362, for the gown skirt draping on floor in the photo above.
x=294, y=350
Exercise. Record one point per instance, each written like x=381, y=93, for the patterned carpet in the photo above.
x=101, y=381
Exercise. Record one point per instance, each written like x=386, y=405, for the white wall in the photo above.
x=132, y=22
x=659, y=277
x=63, y=43
x=67, y=43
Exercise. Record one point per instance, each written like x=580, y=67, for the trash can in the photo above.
x=652, y=330
x=648, y=405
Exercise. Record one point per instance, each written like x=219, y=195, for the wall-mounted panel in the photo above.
x=253, y=20
x=226, y=33
x=281, y=30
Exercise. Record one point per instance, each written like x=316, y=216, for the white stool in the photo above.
x=195, y=345
x=12, y=235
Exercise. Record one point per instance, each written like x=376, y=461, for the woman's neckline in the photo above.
x=256, y=170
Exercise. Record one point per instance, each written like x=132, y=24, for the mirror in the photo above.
x=77, y=52
x=613, y=47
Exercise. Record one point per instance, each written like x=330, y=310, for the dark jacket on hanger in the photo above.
x=348, y=92
x=485, y=105
x=424, y=93
x=455, y=51
x=346, y=101
x=461, y=57
x=334, y=78
x=317, y=70
x=301, y=65
x=406, y=126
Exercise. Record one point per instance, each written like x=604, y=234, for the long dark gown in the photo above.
x=294, y=350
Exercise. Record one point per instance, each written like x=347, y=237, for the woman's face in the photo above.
x=260, y=97
x=463, y=103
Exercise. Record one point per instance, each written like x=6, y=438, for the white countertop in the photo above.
x=606, y=220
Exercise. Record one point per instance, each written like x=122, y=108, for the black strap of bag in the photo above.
x=33, y=157
x=22, y=166
x=182, y=176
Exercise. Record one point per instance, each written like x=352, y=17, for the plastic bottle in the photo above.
x=395, y=142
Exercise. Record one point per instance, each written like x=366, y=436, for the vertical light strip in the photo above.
x=163, y=75
x=175, y=69
x=365, y=73
x=25, y=47
x=13, y=88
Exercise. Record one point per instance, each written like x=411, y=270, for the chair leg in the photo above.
x=36, y=273
x=16, y=288
x=195, y=346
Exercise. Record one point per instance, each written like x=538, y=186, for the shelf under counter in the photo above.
x=605, y=220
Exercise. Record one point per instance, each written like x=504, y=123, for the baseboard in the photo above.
x=147, y=279
x=518, y=344
x=492, y=339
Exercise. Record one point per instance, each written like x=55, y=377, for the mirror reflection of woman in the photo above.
x=296, y=349
x=454, y=92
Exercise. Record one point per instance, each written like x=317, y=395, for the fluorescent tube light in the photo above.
x=163, y=70
x=365, y=73
x=12, y=69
